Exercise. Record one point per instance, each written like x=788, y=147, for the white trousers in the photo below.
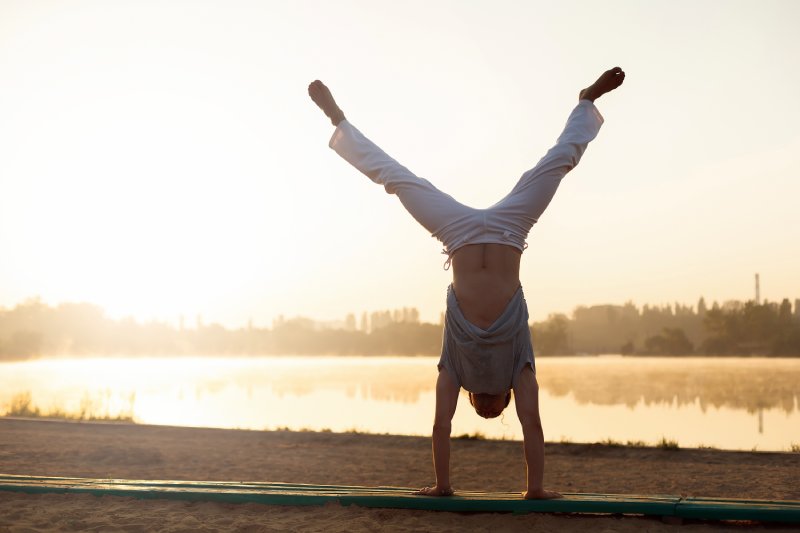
x=455, y=224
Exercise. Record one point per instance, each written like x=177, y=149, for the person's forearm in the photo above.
x=534, y=455
x=441, y=455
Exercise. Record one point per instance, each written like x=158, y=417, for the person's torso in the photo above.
x=485, y=277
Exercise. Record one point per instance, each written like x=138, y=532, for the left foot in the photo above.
x=607, y=82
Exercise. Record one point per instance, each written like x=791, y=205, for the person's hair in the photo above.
x=475, y=400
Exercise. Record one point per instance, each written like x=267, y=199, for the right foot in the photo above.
x=324, y=99
x=607, y=82
x=434, y=491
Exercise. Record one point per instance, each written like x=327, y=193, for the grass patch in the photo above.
x=22, y=405
x=637, y=444
x=667, y=444
x=706, y=447
x=794, y=447
x=472, y=436
x=611, y=442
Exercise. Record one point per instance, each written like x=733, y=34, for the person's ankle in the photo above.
x=337, y=117
x=587, y=94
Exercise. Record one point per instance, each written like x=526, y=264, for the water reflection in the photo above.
x=752, y=384
x=730, y=402
x=389, y=379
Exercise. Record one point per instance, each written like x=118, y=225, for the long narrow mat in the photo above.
x=402, y=498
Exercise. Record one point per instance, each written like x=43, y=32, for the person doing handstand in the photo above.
x=486, y=346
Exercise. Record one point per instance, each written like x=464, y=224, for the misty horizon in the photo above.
x=34, y=329
x=354, y=320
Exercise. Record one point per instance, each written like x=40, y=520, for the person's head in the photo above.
x=489, y=405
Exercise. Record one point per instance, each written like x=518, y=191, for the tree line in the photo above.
x=34, y=329
x=734, y=328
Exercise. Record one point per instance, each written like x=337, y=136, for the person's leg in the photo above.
x=428, y=205
x=532, y=194
x=526, y=202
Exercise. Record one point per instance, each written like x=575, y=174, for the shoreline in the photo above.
x=665, y=444
x=67, y=356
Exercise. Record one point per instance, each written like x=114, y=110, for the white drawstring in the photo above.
x=446, y=265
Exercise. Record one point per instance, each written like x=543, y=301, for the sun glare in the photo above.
x=162, y=161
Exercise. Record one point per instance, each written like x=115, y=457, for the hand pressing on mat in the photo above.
x=541, y=494
x=434, y=491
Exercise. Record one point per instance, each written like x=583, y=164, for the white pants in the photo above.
x=455, y=224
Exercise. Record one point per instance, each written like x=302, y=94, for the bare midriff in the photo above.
x=485, y=277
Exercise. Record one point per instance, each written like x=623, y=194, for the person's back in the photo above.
x=485, y=277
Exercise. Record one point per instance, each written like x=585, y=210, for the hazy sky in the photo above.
x=163, y=158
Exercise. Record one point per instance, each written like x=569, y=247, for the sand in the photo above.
x=54, y=448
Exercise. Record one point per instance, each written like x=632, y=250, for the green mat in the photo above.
x=401, y=498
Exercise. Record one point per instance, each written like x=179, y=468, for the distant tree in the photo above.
x=24, y=344
x=701, y=307
x=627, y=348
x=722, y=329
x=672, y=341
x=550, y=337
x=379, y=319
x=785, y=311
x=788, y=342
x=404, y=338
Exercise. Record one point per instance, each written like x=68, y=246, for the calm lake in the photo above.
x=730, y=403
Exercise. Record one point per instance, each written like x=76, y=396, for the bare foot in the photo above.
x=434, y=491
x=607, y=82
x=324, y=99
x=541, y=494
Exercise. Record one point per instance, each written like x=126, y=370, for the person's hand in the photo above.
x=434, y=491
x=541, y=494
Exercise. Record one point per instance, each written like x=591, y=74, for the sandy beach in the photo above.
x=104, y=450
